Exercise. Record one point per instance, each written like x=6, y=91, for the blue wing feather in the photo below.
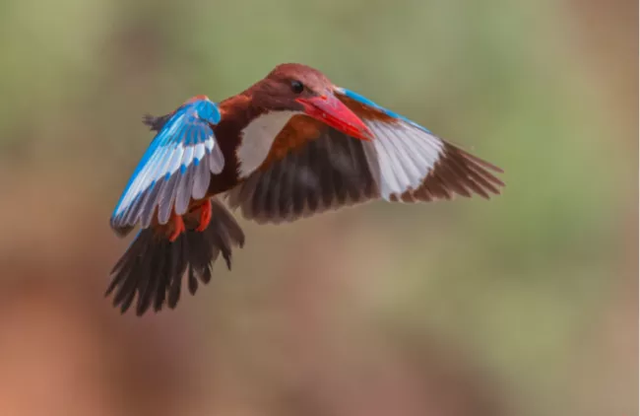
x=364, y=100
x=181, y=144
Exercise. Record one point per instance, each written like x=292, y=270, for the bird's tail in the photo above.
x=153, y=267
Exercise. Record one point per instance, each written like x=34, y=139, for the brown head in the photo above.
x=300, y=88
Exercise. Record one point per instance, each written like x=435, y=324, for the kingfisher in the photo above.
x=290, y=146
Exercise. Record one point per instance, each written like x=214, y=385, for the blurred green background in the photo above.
x=523, y=305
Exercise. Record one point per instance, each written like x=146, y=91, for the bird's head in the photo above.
x=299, y=88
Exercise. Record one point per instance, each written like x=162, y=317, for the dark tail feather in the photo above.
x=153, y=267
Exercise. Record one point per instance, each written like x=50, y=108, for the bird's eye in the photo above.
x=297, y=86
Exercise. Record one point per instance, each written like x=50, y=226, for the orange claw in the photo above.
x=205, y=216
x=178, y=228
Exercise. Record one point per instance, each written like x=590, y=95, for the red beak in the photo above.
x=334, y=113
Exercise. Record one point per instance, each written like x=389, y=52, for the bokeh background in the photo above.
x=523, y=305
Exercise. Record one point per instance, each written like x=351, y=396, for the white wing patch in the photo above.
x=400, y=156
x=257, y=138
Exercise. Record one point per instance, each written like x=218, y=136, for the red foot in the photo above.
x=205, y=216
x=178, y=228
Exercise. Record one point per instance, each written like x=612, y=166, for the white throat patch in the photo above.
x=257, y=138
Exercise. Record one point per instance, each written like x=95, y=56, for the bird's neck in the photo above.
x=238, y=109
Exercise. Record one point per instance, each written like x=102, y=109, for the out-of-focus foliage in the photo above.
x=522, y=305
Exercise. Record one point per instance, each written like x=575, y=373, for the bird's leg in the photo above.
x=178, y=227
x=205, y=215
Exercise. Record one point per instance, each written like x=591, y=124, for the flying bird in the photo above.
x=290, y=146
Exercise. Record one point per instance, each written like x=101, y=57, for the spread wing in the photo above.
x=175, y=168
x=313, y=168
x=410, y=163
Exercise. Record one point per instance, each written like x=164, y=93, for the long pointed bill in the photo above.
x=334, y=113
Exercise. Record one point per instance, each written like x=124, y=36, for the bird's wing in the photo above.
x=313, y=168
x=175, y=168
x=410, y=163
x=309, y=169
